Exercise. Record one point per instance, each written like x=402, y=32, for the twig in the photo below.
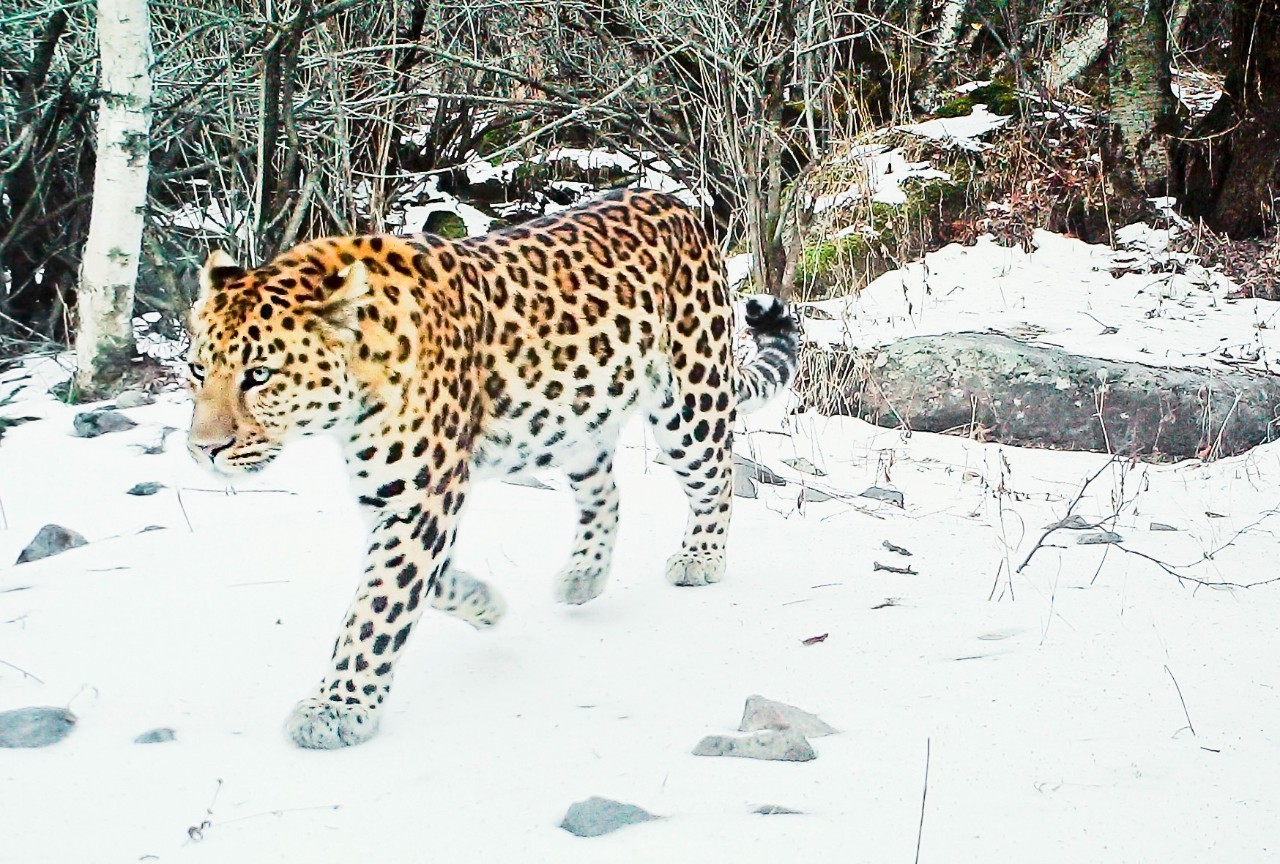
x=1185, y=712
x=1070, y=509
x=183, y=507
x=25, y=673
x=196, y=832
x=924, y=796
x=903, y=571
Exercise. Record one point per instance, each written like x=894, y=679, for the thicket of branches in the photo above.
x=276, y=120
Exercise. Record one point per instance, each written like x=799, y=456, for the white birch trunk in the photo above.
x=109, y=266
x=1076, y=54
x=950, y=17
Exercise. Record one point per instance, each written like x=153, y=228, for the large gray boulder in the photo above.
x=995, y=388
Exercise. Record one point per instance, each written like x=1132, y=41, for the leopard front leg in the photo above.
x=407, y=568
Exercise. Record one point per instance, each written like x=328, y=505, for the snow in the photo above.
x=1090, y=707
x=961, y=131
x=1064, y=293
x=885, y=169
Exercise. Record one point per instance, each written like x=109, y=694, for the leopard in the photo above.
x=438, y=362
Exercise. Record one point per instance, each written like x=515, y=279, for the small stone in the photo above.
x=774, y=810
x=892, y=496
x=744, y=486
x=1073, y=522
x=597, y=816
x=151, y=487
x=51, y=540
x=526, y=481
x=1099, y=538
x=1160, y=526
x=35, y=727
x=134, y=399
x=155, y=736
x=786, y=745
x=151, y=528
x=804, y=466
x=761, y=713
x=91, y=424
x=759, y=472
x=814, y=496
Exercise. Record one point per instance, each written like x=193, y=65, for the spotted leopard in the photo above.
x=436, y=362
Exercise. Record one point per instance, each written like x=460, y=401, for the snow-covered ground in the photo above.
x=1091, y=706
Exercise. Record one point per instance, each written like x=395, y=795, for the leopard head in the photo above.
x=270, y=358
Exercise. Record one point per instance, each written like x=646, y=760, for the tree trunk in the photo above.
x=1142, y=105
x=1230, y=174
x=104, y=341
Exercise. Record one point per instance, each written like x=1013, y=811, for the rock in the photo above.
x=786, y=745
x=744, y=486
x=155, y=736
x=1160, y=526
x=1074, y=522
x=134, y=399
x=814, y=496
x=892, y=496
x=35, y=727
x=804, y=466
x=91, y=424
x=1002, y=390
x=597, y=816
x=51, y=540
x=527, y=481
x=151, y=528
x=774, y=810
x=1099, y=538
x=757, y=472
x=761, y=713
x=149, y=488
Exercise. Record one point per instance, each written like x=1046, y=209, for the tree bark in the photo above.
x=1142, y=104
x=104, y=341
x=1230, y=174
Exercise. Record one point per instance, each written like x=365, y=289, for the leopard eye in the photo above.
x=256, y=376
x=197, y=371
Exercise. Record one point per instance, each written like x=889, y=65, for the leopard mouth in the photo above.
x=239, y=465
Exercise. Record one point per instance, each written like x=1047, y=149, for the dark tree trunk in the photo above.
x=1230, y=176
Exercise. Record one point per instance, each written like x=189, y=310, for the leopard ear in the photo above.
x=338, y=309
x=219, y=269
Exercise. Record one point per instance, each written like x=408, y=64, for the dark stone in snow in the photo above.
x=91, y=424
x=35, y=727
x=756, y=471
x=134, y=399
x=744, y=486
x=155, y=736
x=774, y=810
x=597, y=816
x=50, y=540
x=761, y=713
x=1011, y=392
x=786, y=745
x=151, y=487
x=892, y=496
x=1099, y=538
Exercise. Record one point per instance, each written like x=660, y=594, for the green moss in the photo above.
x=446, y=224
x=961, y=106
x=998, y=96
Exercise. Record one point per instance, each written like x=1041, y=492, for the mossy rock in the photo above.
x=447, y=224
x=999, y=97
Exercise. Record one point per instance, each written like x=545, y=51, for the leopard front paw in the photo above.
x=577, y=585
x=319, y=724
x=695, y=568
